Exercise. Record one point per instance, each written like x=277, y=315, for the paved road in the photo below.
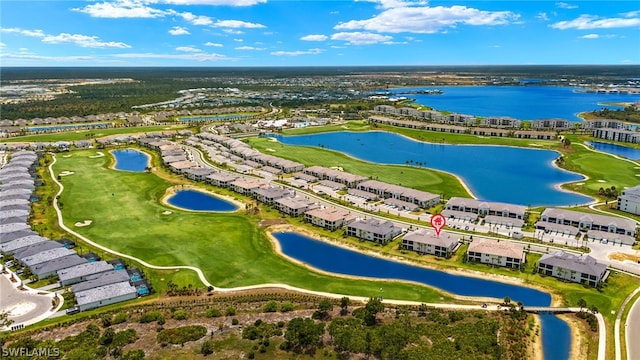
x=26, y=306
x=632, y=327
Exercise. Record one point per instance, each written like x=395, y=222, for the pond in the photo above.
x=495, y=173
x=620, y=150
x=327, y=257
x=130, y=160
x=199, y=201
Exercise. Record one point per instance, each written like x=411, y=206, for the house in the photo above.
x=329, y=218
x=427, y=242
x=551, y=124
x=421, y=198
x=50, y=268
x=198, y=174
x=222, y=179
x=551, y=217
x=629, y=200
x=373, y=230
x=267, y=195
x=500, y=253
x=105, y=295
x=101, y=279
x=45, y=256
x=323, y=173
x=537, y=135
x=10, y=247
x=78, y=273
x=181, y=166
x=294, y=206
x=247, y=185
x=579, y=269
x=27, y=251
x=621, y=135
x=602, y=123
x=493, y=212
x=500, y=122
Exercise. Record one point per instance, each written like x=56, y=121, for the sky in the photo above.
x=317, y=33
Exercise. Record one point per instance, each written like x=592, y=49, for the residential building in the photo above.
x=267, y=195
x=101, y=279
x=500, y=122
x=537, y=135
x=551, y=124
x=373, y=230
x=247, y=185
x=50, y=268
x=602, y=123
x=105, y=295
x=45, y=256
x=294, y=206
x=494, y=212
x=329, y=218
x=579, y=269
x=222, y=179
x=427, y=242
x=500, y=253
x=27, y=251
x=421, y=198
x=10, y=247
x=629, y=200
x=621, y=135
x=323, y=173
x=585, y=221
x=198, y=174
x=79, y=273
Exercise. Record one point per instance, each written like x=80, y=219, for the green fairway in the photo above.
x=95, y=133
x=229, y=248
x=418, y=178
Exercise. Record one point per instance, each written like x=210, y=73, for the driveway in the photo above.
x=24, y=306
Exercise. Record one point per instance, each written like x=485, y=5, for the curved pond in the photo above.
x=199, y=201
x=620, y=150
x=130, y=160
x=520, y=102
x=495, y=173
x=335, y=259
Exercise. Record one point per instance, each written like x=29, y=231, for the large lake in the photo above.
x=520, y=102
x=556, y=335
x=494, y=173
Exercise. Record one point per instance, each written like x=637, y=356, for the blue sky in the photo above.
x=317, y=33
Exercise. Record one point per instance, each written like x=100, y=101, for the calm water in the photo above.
x=495, y=173
x=520, y=102
x=624, y=151
x=131, y=160
x=199, y=201
x=331, y=258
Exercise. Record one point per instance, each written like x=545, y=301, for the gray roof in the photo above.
x=584, y=264
x=23, y=241
x=5, y=192
x=488, y=205
x=398, y=190
x=295, y=202
x=102, y=279
x=23, y=252
x=5, y=203
x=425, y=236
x=46, y=255
x=14, y=227
x=596, y=219
x=374, y=226
x=272, y=192
x=50, y=267
x=77, y=271
x=21, y=206
x=631, y=193
x=13, y=213
x=104, y=292
x=5, y=238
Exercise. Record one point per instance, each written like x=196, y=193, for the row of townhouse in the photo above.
x=621, y=135
x=422, y=199
x=455, y=129
x=598, y=227
x=493, y=212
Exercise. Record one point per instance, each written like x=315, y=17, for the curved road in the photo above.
x=632, y=329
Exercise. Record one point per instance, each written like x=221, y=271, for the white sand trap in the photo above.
x=580, y=184
x=167, y=212
x=84, y=223
x=269, y=149
x=66, y=156
x=97, y=155
x=273, y=139
x=20, y=308
x=339, y=168
x=66, y=173
x=602, y=181
x=535, y=145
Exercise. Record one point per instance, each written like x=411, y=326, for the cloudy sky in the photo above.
x=317, y=33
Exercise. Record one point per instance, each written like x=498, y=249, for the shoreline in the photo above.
x=115, y=159
x=579, y=348
x=172, y=190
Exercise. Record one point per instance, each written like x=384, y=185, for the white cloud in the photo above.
x=32, y=33
x=235, y=24
x=389, y=4
x=201, y=56
x=209, y=43
x=178, y=30
x=190, y=49
x=361, y=38
x=83, y=41
x=26, y=57
x=233, y=31
x=122, y=9
x=587, y=22
x=428, y=20
x=249, y=48
x=215, y=2
x=2, y=45
x=199, y=20
x=238, y=40
x=297, y=53
x=542, y=16
x=564, y=5
x=590, y=36
x=314, y=38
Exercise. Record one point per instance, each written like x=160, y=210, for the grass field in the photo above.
x=229, y=248
x=95, y=133
x=418, y=178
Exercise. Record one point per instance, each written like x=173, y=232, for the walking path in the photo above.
x=633, y=347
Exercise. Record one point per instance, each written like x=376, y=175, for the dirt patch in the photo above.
x=268, y=222
x=623, y=257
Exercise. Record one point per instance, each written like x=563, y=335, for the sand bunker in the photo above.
x=66, y=156
x=535, y=145
x=97, y=155
x=602, y=181
x=84, y=223
x=167, y=212
x=273, y=139
x=20, y=308
x=269, y=149
x=66, y=173
x=580, y=184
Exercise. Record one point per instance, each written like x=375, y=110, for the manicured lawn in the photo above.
x=418, y=178
x=229, y=248
x=74, y=135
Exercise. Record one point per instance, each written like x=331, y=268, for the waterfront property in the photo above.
x=579, y=269
x=323, y=173
x=101, y=279
x=426, y=241
x=294, y=205
x=621, y=135
x=551, y=124
x=329, y=218
x=629, y=200
x=499, y=253
x=585, y=222
x=420, y=198
x=494, y=212
x=373, y=230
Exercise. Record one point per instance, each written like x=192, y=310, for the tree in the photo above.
x=207, y=348
x=507, y=300
x=303, y=335
x=4, y=319
x=372, y=308
x=344, y=304
x=582, y=303
x=324, y=307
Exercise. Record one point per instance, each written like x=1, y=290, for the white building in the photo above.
x=427, y=242
x=629, y=200
x=500, y=253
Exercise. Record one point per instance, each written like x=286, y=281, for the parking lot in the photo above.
x=23, y=306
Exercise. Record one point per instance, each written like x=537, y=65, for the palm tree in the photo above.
x=582, y=303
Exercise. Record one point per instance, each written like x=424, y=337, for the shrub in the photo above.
x=151, y=316
x=136, y=354
x=207, y=348
x=180, y=315
x=213, y=312
x=230, y=311
x=181, y=335
x=271, y=306
x=106, y=320
x=286, y=306
x=234, y=321
x=119, y=318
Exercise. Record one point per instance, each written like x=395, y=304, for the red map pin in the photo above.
x=438, y=222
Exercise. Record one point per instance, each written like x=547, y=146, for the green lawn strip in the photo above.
x=418, y=178
x=608, y=208
x=73, y=135
x=229, y=248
